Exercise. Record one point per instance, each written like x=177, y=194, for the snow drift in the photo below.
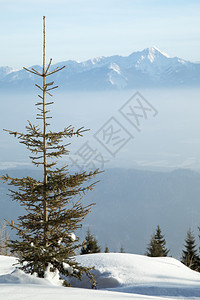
x=134, y=276
x=140, y=274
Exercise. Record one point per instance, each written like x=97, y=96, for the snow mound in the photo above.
x=6, y=264
x=119, y=276
x=19, y=277
x=11, y=275
x=139, y=274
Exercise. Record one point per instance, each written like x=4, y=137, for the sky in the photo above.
x=80, y=30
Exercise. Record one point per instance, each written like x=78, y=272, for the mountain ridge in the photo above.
x=147, y=68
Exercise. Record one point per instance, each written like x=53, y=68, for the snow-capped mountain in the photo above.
x=4, y=71
x=147, y=68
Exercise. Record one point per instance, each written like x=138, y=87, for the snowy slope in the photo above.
x=141, y=274
x=125, y=276
x=149, y=67
x=31, y=292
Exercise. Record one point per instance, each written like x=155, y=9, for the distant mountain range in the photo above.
x=147, y=68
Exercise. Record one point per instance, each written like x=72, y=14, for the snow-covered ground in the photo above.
x=119, y=276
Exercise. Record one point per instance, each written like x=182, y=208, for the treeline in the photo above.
x=189, y=257
x=90, y=245
x=155, y=248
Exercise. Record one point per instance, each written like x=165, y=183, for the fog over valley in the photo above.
x=163, y=137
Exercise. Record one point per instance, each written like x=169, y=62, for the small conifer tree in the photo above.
x=46, y=238
x=122, y=249
x=189, y=255
x=91, y=245
x=156, y=247
x=106, y=250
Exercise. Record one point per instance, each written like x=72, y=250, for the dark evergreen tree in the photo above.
x=122, y=249
x=189, y=255
x=46, y=232
x=91, y=244
x=106, y=250
x=156, y=247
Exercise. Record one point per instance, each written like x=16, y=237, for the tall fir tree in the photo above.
x=91, y=244
x=189, y=256
x=156, y=247
x=46, y=236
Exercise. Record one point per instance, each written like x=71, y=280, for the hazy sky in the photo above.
x=78, y=29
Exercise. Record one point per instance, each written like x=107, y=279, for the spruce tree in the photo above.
x=156, y=247
x=46, y=236
x=189, y=255
x=106, y=250
x=122, y=249
x=91, y=245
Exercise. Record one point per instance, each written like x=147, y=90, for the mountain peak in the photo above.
x=149, y=55
x=155, y=51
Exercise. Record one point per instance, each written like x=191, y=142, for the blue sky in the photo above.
x=78, y=29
